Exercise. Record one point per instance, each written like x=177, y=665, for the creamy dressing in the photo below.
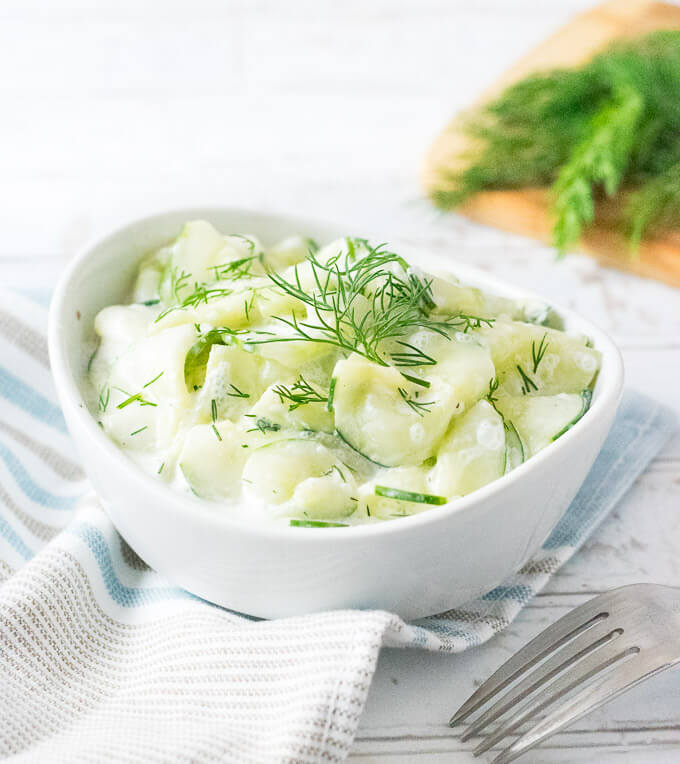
x=302, y=385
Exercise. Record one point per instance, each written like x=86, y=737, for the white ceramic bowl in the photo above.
x=414, y=566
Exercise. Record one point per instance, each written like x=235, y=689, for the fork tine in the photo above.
x=588, y=641
x=550, y=639
x=643, y=666
x=581, y=672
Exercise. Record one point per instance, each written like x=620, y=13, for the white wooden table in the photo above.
x=118, y=107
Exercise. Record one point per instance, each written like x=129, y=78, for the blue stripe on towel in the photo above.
x=31, y=488
x=14, y=540
x=19, y=393
x=127, y=596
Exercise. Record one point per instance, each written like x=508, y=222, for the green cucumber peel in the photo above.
x=515, y=453
x=415, y=498
x=356, y=450
x=586, y=397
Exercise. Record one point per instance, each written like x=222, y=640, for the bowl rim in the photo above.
x=202, y=510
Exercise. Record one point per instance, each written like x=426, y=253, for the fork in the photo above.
x=597, y=651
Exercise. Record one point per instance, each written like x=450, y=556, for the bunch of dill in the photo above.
x=610, y=127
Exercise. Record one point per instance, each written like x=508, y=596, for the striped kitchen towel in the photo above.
x=103, y=660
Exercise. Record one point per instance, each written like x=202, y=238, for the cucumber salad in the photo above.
x=324, y=386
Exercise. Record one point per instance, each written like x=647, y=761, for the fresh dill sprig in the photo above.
x=299, y=394
x=608, y=127
x=359, y=304
x=655, y=205
x=537, y=352
x=178, y=280
x=601, y=157
x=414, y=356
x=202, y=294
x=236, y=269
x=420, y=407
x=493, y=387
x=491, y=396
x=527, y=382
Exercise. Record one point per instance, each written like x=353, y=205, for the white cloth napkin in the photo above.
x=102, y=660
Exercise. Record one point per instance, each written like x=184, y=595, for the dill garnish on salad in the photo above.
x=327, y=386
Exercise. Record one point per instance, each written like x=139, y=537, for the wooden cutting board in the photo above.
x=526, y=211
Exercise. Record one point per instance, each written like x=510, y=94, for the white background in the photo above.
x=112, y=109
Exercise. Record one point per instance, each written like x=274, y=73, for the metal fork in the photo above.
x=598, y=651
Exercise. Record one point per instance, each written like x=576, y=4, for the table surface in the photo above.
x=112, y=109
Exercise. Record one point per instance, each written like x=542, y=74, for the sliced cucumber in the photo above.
x=386, y=418
x=586, y=398
x=416, y=498
x=472, y=454
x=452, y=298
x=212, y=465
x=193, y=253
x=289, y=252
x=537, y=360
x=539, y=420
x=463, y=364
x=300, y=478
x=234, y=380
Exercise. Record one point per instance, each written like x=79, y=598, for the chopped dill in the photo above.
x=141, y=429
x=337, y=469
x=537, y=353
x=299, y=394
x=237, y=393
x=104, y=398
x=151, y=381
x=136, y=398
x=213, y=409
x=216, y=431
x=160, y=469
x=264, y=425
x=527, y=382
x=420, y=407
